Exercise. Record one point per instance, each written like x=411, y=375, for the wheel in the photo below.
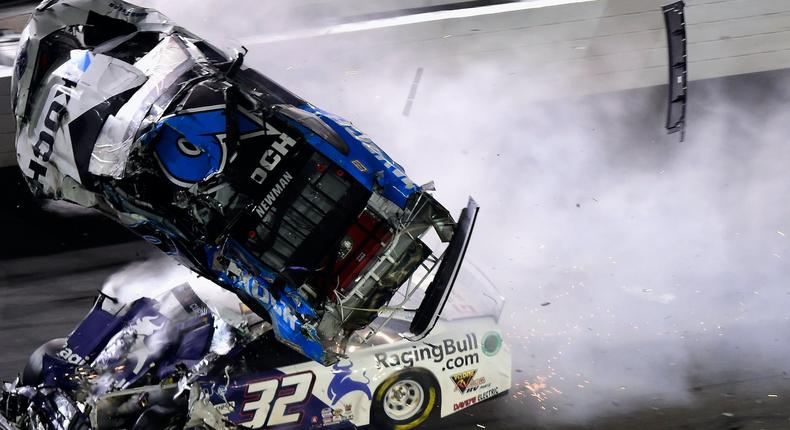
x=405, y=400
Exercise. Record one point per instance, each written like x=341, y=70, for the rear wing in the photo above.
x=439, y=290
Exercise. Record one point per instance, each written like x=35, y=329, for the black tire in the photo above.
x=409, y=382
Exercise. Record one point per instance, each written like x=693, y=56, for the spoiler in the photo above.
x=439, y=290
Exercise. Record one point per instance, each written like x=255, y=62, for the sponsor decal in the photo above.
x=332, y=416
x=466, y=383
x=263, y=208
x=358, y=164
x=251, y=285
x=463, y=404
x=268, y=162
x=342, y=383
x=477, y=384
x=45, y=145
x=141, y=351
x=67, y=355
x=191, y=146
x=274, y=155
x=492, y=343
x=488, y=394
x=371, y=147
x=388, y=164
x=462, y=380
x=452, y=353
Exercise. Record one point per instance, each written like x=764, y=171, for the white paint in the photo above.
x=408, y=20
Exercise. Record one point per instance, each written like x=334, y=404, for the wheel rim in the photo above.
x=403, y=400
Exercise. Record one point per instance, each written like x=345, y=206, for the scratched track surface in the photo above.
x=44, y=297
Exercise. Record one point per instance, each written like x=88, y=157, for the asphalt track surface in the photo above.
x=44, y=297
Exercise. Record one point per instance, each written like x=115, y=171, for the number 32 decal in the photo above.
x=269, y=401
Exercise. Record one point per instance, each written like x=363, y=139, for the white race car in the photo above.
x=196, y=357
x=394, y=384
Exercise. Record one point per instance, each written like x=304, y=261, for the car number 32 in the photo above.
x=268, y=401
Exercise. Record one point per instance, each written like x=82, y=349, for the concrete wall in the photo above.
x=546, y=53
x=551, y=52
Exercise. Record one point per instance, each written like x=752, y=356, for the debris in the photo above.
x=203, y=413
x=545, y=304
x=413, y=92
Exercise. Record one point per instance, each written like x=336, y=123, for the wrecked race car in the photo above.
x=196, y=357
x=292, y=208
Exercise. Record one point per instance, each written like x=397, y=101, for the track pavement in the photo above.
x=46, y=296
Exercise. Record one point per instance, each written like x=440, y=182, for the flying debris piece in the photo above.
x=675, y=21
x=545, y=303
x=290, y=207
x=413, y=92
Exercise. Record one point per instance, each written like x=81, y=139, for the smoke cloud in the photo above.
x=635, y=266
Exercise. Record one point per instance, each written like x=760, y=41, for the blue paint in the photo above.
x=84, y=62
x=342, y=383
x=286, y=311
x=379, y=167
x=191, y=148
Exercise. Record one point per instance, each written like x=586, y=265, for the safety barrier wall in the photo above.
x=560, y=51
x=552, y=52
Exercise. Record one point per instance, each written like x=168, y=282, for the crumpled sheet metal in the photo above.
x=66, y=13
x=163, y=66
x=138, y=344
x=7, y=425
x=90, y=79
x=203, y=414
x=143, y=339
x=97, y=78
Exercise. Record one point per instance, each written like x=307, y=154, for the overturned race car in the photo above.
x=291, y=208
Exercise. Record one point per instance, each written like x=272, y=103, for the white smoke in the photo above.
x=635, y=266
x=155, y=277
